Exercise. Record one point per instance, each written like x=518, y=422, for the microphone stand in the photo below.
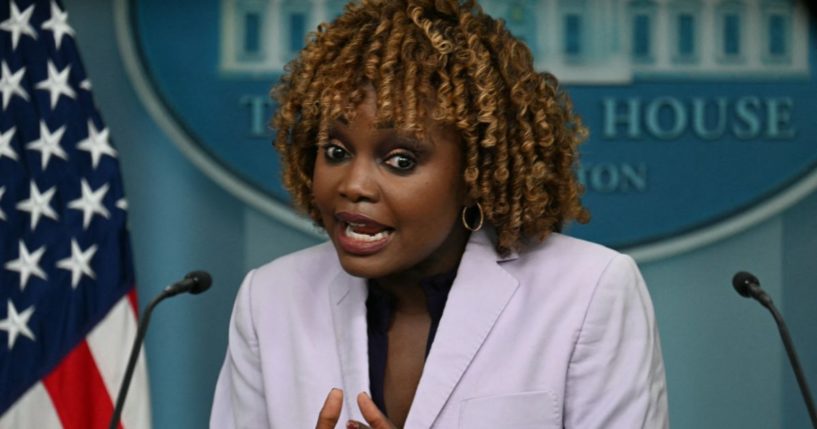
x=795, y=363
x=194, y=282
x=134, y=354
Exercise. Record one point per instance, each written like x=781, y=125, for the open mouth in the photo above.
x=361, y=235
x=366, y=232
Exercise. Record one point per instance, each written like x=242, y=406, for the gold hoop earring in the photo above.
x=465, y=218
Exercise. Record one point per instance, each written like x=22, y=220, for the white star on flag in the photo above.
x=78, y=263
x=48, y=144
x=17, y=24
x=122, y=204
x=90, y=202
x=10, y=84
x=27, y=264
x=96, y=144
x=57, y=83
x=58, y=24
x=5, y=144
x=51, y=137
x=2, y=214
x=38, y=204
x=16, y=323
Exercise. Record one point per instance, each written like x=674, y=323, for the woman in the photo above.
x=440, y=164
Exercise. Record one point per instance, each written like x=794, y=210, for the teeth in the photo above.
x=365, y=237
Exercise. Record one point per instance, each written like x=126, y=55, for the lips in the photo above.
x=360, y=235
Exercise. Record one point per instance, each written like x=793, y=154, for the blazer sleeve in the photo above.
x=616, y=374
x=239, y=400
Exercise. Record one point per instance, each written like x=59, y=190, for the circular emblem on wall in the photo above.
x=700, y=113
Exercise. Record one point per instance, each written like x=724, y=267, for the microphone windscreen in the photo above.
x=742, y=281
x=201, y=281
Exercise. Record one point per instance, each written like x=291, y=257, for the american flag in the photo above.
x=67, y=299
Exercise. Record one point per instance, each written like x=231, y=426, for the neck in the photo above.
x=407, y=300
x=405, y=286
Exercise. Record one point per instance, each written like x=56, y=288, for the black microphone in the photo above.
x=748, y=286
x=194, y=282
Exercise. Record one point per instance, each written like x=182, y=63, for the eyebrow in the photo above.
x=335, y=131
x=407, y=143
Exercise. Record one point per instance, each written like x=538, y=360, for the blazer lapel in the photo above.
x=480, y=292
x=348, y=303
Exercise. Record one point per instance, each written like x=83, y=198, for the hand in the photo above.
x=374, y=417
x=330, y=413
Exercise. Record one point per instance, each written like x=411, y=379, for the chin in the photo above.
x=363, y=267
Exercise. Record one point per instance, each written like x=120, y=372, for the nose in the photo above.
x=359, y=181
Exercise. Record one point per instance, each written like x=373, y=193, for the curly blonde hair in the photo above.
x=448, y=61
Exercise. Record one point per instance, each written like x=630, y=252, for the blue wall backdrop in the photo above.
x=725, y=364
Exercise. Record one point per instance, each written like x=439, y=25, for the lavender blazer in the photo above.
x=560, y=335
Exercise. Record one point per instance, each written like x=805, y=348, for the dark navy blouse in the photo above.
x=379, y=308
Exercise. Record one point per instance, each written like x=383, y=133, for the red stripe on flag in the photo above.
x=134, y=302
x=78, y=392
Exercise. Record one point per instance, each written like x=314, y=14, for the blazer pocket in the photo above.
x=528, y=410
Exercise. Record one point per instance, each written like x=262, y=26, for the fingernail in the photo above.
x=352, y=425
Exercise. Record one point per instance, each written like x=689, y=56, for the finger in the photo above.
x=374, y=417
x=330, y=412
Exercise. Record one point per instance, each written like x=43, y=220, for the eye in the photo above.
x=334, y=153
x=401, y=161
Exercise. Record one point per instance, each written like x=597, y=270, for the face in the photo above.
x=390, y=203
